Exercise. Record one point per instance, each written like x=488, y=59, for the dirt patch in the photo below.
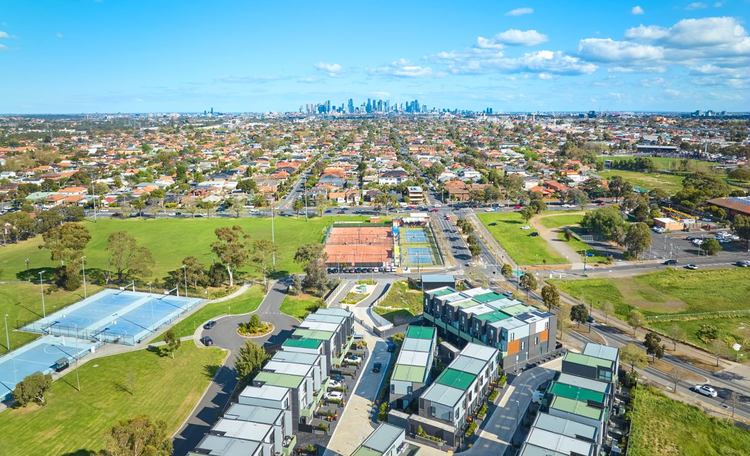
x=685, y=376
x=648, y=298
x=593, y=335
x=709, y=366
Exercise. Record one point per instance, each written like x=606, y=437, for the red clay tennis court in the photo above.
x=378, y=235
x=359, y=246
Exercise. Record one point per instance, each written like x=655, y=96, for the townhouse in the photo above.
x=411, y=372
x=386, y=440
x=522, y=333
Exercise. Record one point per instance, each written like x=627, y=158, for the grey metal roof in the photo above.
x=558, y=442
x=601, y=351
x=334, y=311
x=563, y=426
x=479, y=351
x=383, y=437
x=253, y=413
x=419, y=345
x=443, y=394
x=585, y=383
x=533, y=450
x=468, y=364
x=227, y=446
x=270, y=392
x=437, y=278
x=294, y=357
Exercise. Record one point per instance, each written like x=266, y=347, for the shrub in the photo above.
x=471, y=429
x=482, y=411
x=32, y=389
x=323, y=427
x=502, y=381
x=493, y=395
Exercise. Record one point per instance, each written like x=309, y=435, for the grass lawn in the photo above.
x=23, y=302
x=171, y=240
x=401, y=296
x=579, y=246
x=665, y=427
x=732, y=330
x=522, y=248
x=300, y=306
x=74, y=423
x=392, y=315
x=668, y=182
x=667, y=291
x=662, y=163
x=559, y=221
x=248, y=301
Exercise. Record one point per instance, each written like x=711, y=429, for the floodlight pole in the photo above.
x=83, y=263
x=273, y=231
x=7, y=337
x=149, y=287
x=41, y=286
x=184, y=274
x=78, y=379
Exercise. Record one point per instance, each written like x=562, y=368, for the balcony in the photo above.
x=288, y=445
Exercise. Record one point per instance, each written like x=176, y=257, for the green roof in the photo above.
x=574, y=392
x=456, y=379
x=408, y=373
x=586, y=360
x=517, y=309
x=302, y=343
x=576, y=407
x=420, y=332
x=285, y=380
x=313, y=334
x=464, y=304
x=488, y=297
x=493, y=316
x=364, y=451
x=443, y=292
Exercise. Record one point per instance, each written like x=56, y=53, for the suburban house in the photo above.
x=412, y=370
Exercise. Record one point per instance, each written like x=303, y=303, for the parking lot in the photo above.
x=684, y=247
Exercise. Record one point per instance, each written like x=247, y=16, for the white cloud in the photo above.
x=696, y=6
x=3, y=47
x=515, y=37
x=645, y=69
x=653, y=82
x=545, y=76
x=706, y=32
x=58, y=35
x=402, y=68
x=637, y=11
x=333, y=70
x=675, y=93
x=519, y=12
x=643, y=33
x=307, y=80
x=4, y=35
x=607, y=50
x=381, y=95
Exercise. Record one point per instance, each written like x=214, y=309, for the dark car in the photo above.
x=338, y=377
x=534, y=234
x=493, y=224
x=670, y=262
x=207, y=341
x=391, y=347
x=209, y=325
x=376, y=367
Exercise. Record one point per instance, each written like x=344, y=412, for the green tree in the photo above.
x=653, y=345
x=138, y=436
x=527, y=213
x=127, y=257
x=255, y=324
x=262, y=257
x=637, y=239
x=633, y=356
x=707, y=333
x=231, y=248
x=235, y=205
x=172, y=342
x=741, y=227
x=579, y=314
x=194, y=271
x=506, y=271
x=247, y=186
x=528, y=282
x=550, y=296
x=658, y=194
x=607, y=309
x=676, y=333
x=636, y=320
x=606, y=221
x=249, y=361
x=298, y=205
x=139, y=204
x=32, y=389
x=66, y=244
x=475, y=251
x=711, y=246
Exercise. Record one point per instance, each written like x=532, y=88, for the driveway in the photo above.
x=225, y=336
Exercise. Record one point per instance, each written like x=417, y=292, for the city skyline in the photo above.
x=110, y=56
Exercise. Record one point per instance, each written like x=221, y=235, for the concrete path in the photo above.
x=225, y=336
x=358, y=414
x=560, y=246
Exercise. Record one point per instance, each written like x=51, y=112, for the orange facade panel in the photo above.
x=513, y=346
x=544, y=335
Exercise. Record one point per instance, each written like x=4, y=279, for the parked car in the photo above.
x=670, y=262
x=434, y=210
x=209, y=325
x=334, y=395
x=743, y=264
x=334, y=384
x=337, y=377
x=353, y=359
x=517, y=207
x=207, y=341
x=534, y=234
x=705, y=390
x=376, y=367
x=691, y=266
x=602, y=203
x=391, y=347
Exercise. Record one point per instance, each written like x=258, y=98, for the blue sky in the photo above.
x=185, y=56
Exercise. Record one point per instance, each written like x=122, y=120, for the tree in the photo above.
x=637, y=239
x=741, y=227
x=636, y=320
x=606, y=221
x=171, y=342
x=206, y=205
x=632, y=355
x=675, y=375
x=263, y=254
x=528, y=282
x=128, y=257
x=579, y=314
x=707, y=333
x=247, y=186
x=32, y=389
x=658, y=194
x=711, y=246
x=550, y=296
x=506, y=271
x=235, y=205
x=719, y=348
x=563, y=321
x=255, y=324
x=653, y=346
x=527, y=213
x=321, y=204
x=66, y=244
x=734, y=399
x=676, y=333
x=139, y=204
x=194, y=271
x=607, y=309
x=138, y=436
x=298, y=205
x=307, y=253
x=231, y=248
x=249, y=361
x=475, y=251
x=190, y=205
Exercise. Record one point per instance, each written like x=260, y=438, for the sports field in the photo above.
x=74, y=423
x=524, y=249
x=418, y=247
x=668, y=182
x=171, y=240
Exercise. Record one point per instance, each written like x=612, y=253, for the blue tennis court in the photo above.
x=118, y=316
x=40, y=355
x=414, y=236
x=419, y=255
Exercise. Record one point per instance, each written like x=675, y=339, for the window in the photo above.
x=512, y=337
x=523, y=345
x=536, y=340
x=432, y=411
x=409, y=390
x=546, y=325
x=393, y=388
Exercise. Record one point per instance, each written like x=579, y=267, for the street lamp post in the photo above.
x=149, y=287
x=83, y=263
x=41, y=286
x=273, y=232
x=7, y=336
x=78, y=380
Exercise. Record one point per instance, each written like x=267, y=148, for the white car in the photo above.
x=334, y=395
x=567, y=205
x=356, y=360
x=334, y=384
x=438, y=205
x=527, y=227
x=705, y=390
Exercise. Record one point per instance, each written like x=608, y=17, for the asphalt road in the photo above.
x=224, y=335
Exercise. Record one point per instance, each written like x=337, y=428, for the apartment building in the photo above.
x=522, y=333
x=411, y=372
x=215, y=445
x=386, y=440
x=456, y=395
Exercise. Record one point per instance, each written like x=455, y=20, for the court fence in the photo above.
x=686, y=316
